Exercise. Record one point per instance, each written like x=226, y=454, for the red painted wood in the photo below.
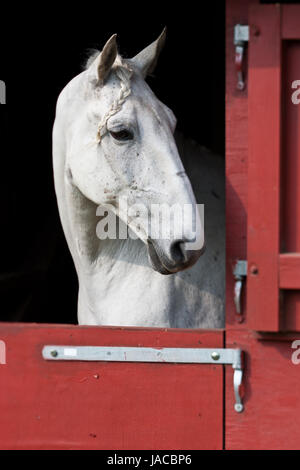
x=85, y=405
x=236, y=161
x=289, y=271
x=264, y=167
x=290, y=150
x=290, y=176
x=291, y=309
x=290, y=22
x=271, y=419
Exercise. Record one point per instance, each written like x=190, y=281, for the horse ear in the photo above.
x=146, y=60
x=107, y=58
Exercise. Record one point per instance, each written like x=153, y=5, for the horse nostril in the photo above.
x=177, y=251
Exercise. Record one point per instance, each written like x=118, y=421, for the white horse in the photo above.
x=113, y=140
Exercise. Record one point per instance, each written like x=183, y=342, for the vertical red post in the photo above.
x=264, y=168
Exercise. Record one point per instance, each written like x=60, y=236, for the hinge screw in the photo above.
x=238, y=407
x=254, y=270
x=256, y=31
x=54, y=353
x=215, y=356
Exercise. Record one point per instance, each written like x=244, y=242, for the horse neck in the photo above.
x=82, y=219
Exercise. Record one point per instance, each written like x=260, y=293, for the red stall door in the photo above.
x=273, y=282
x=263, y=211
x=53, y=404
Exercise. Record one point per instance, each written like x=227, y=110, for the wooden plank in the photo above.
x=290, y=179
x=236, y=160
x=271, y=419
x=291, y=310
x=290, y=198
x=83, y=405
x=264, y=167
x=291, y=21
x=289, y=271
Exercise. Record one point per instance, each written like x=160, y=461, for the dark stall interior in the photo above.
x=42, y=48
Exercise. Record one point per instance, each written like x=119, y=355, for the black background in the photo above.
x=43, y=46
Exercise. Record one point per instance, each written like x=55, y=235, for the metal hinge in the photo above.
x=241, y=37
x=165, y=355
x=239, y=272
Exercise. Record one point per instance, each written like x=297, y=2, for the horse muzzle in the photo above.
x=171, y=257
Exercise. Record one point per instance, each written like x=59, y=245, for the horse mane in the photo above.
x=124, y=72
x=91, y=56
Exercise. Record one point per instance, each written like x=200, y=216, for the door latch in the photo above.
x=234, y=357
x=241, y=37
x=239, y=272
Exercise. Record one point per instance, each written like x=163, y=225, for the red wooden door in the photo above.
x=262, y=220
x=273, y=236
x=105, y=405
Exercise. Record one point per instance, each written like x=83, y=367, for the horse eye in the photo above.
x=124, y=134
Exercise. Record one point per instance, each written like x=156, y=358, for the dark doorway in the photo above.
x=40, y=54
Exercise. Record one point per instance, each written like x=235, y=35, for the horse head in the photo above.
x=120, y=147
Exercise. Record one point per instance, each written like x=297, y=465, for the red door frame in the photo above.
x=270, y=267
x=258, y=132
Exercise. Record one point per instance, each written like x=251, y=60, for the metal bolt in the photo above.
x=215, y=356
x=54, y=353
x=254, y=270
x=238, y=407
x=256, y=31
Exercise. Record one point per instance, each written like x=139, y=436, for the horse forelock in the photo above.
x=123, y=72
